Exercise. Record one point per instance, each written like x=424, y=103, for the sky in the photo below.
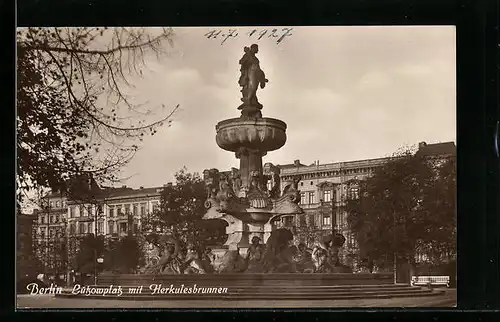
x=345, y=93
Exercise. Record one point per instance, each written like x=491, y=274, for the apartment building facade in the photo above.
x=62, y=222
x=325, y=188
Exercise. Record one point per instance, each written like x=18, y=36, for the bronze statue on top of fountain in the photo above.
x=250, y=79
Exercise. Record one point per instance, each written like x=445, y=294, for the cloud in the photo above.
x=415, y=70
x=375, y=80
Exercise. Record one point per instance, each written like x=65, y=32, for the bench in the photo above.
x=430, y=281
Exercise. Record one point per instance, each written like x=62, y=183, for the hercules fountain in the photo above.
x=243, y=199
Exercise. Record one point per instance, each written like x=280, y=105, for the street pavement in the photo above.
x=449, y=299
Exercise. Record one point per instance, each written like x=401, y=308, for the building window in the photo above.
x=312, y=183
x=127, y=209
x=134, y=209
x=72, y=229
x=89, y=228
x=155, y=206
x=310, y=198
x=351, y=241
x=303, y=198
x=111, y=212
x=136, y=228
x=123, y=227
x=57, y=204
x=81, y=228
x=119, y=210
x=341, y=220
x=353, y=193
x=82, y=211
x=327, y=195
x=327, y=220
x=51, y=204
x=310, y=219
x=301, y=184
x=71, y=212
x=111, y=226
x=302, y=220
x=42, y=232
x=143, y=209
x=100, y=227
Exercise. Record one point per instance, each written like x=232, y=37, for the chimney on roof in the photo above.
x=124, y=186
x=296, y=163
x=422, y=144
x=141, y=187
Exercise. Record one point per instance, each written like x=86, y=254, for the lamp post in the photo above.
x=334, y=214
x=47, y=239
x=395, y=267
x=97, y=260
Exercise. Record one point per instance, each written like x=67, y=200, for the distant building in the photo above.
x=25, y=233
x=118, y=211
x=88, y=209
x=49, y=232
x=324, y=189
x=26, y=264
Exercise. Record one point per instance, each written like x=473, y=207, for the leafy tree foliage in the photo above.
x=124, y=255
x=182, y=209
x=90, y=249
x=75, y=114
x=408, y=205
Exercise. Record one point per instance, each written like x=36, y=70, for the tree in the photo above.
x=125, y=255
x=406, y=204
x=49, y=247
x=90, y=249
x=439, y=241
x=308, y=233
x=182, y=209
x=75, y=110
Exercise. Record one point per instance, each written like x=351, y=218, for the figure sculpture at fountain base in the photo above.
x=255, y=256
x=326, y=256
x=279, y=254
x=303, y=260
x=233, y=262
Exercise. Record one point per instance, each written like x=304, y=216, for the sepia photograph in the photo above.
x=236, y=167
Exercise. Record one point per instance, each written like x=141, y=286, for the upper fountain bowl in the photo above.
x=263, y=134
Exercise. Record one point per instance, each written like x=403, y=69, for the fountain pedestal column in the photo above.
x=250, y=162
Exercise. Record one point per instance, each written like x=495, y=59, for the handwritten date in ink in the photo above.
x=275, y=34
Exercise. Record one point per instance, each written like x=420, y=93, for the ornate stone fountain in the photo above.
x=243, y=198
